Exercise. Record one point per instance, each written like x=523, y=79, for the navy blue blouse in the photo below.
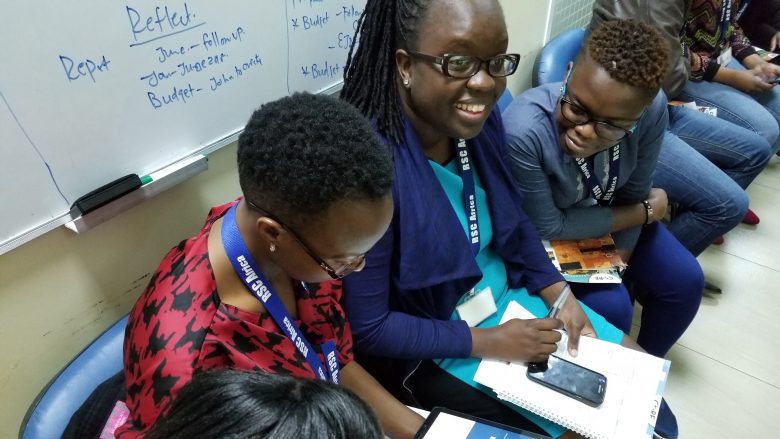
x=400, y=304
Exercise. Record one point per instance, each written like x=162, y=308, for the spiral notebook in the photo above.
x=635, y=385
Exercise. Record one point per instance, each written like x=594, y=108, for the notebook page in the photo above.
x=634, y=387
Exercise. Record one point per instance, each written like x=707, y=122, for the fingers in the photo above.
x=544, y=350
x=574, y=337
x=541, y=356
x=545, y=324
x=574, y=340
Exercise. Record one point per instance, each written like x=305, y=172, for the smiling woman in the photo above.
x=459, y=248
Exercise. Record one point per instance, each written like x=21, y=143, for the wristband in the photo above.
x=648, y=212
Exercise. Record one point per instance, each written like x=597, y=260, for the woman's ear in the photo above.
x=403, y=62
x=268, y=230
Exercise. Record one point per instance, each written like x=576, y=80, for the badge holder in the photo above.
x=477, y=307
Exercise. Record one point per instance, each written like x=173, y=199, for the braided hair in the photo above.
x=369, y=75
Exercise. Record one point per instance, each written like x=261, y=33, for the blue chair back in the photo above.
x=504, y=100
x=555, y=56
x=49, y=414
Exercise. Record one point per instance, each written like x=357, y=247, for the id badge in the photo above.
x=477, y=308
x=725, y=57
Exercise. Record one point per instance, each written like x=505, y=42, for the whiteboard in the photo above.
x=94, y=90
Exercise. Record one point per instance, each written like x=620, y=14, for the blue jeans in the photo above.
x=758, y=112
x=711, y=203
x=737, y=151
x=665, y=278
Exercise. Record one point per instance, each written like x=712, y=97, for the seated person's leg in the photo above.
x=739, y=152
x=668, y=283
x=711, y=202
x=734, y=106
x=611, y=301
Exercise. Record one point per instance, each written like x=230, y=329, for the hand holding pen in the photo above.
x=557, y=306
x=574, y=319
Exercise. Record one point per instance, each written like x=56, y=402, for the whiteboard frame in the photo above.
x=169, y=182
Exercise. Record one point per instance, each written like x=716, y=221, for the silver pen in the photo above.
x=557, y=306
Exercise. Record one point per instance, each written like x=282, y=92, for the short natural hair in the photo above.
x=301, y=153
x=227, y=403
x=632, y=52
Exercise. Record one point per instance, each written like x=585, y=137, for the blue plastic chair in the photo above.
x=504, y=100
x=49, y=414
x=551, y=63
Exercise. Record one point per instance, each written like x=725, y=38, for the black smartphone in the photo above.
x=775, y=60
x=443, y=423
x=570, y=379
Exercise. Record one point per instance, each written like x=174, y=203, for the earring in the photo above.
x=406, y=82
x=272, y=247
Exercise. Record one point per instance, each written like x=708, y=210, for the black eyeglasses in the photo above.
x=334, y=273
x=464, y=66
x=579, y=116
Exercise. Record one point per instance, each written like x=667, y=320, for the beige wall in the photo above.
x=61, y=290
x=527, y=25
x=58, y=292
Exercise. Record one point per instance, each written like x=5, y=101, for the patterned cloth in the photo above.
x=179, y=326
x=704, y=40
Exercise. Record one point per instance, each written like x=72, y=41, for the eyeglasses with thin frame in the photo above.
x=339, y=273
x=579, y=116
x=465, y=66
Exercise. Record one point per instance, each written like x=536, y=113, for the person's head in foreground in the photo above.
x=229, y=403
x=616, y=75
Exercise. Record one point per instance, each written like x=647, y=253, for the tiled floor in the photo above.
x=725, y=376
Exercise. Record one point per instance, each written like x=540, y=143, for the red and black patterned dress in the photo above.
x=179, y=326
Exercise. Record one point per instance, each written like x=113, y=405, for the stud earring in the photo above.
x=272, y=248
x=406, y=82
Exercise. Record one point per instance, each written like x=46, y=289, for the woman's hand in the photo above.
x=517, y=340
x=769, y=71
x=573, y=317
x=749, y=81
x=774, y=43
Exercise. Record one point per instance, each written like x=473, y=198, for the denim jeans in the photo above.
x=711, y=203
x=758, y=112
x=737, y=151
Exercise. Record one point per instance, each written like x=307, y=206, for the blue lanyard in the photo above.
x=725, y=18
x=742, y=10
x=247, y=269
x=469, y=193
x=604, y=196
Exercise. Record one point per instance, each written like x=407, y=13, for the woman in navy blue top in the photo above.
x=429, y=73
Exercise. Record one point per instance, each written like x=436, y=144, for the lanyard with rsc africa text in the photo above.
x=478, y=305
x=604, y=196
x=254, y=280
x=469, y=193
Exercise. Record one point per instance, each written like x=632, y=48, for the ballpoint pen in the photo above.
x=556, y=307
